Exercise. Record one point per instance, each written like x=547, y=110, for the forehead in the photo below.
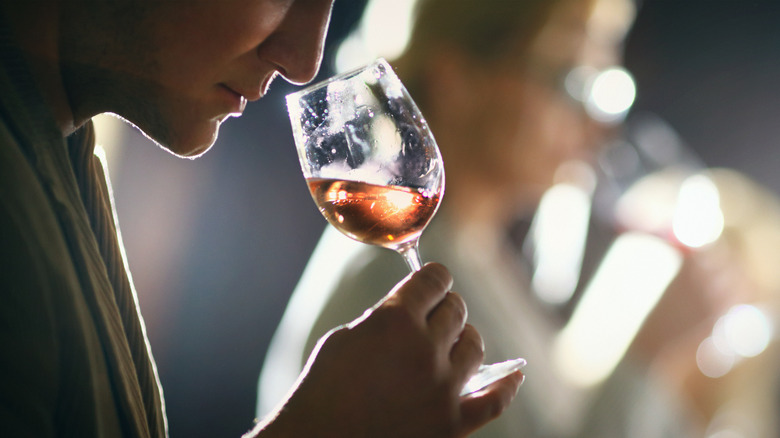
x=562, y=36
x=583, y=32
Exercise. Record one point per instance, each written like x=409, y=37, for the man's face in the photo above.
x=188, y=65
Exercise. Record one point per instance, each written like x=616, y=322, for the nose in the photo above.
x=296, y=46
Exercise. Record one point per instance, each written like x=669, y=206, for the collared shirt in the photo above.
x=74, y=358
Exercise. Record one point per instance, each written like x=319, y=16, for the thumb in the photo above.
x=479, y=408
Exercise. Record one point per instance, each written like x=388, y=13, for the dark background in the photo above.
x=711, y=68
x=216, y=244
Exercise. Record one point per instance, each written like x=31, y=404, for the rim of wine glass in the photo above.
x=339, y=77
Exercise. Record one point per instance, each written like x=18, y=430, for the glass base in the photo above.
x=488, y=374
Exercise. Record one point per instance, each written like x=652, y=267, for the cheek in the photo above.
x=502, y=114
x=523, y=131
x=553, y=126
x=201, y=42
x=526, y=139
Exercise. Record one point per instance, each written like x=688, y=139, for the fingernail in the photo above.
x=522, y=379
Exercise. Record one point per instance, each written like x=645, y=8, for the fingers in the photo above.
x=410, y=357
x=479, y=408
x=467, y=354
x=426, y=296
x=447, y=319
x=423, y=290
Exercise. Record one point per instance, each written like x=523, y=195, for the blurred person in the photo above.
x=489, y=78
x=76, y=361
x=736, y=392
x=711, y=338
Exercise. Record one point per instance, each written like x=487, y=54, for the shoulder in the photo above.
x=31, y=250
x=32, y=245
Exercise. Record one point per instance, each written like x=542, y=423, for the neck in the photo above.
x=35, y=26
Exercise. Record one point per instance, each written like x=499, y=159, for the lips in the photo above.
x=241, y=95
x=236, y=98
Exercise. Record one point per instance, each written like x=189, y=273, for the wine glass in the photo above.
x=373, y=167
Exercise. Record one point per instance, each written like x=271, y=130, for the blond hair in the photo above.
x=484, y=30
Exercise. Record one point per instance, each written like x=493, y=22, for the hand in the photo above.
x=709, y=282
x=397, y=371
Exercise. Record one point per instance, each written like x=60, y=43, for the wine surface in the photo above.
x=388, y=216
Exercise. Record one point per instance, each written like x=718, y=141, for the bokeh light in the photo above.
x=612, y=92
x=698, y=219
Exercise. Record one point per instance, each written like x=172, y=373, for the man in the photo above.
x=75, y=358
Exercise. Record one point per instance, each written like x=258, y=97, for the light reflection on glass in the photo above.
x=633, y=276
x=744, y=331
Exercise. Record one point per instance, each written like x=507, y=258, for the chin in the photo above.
x=191, y=152
x=195, y=143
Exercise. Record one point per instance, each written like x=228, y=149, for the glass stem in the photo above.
x=411, y=255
